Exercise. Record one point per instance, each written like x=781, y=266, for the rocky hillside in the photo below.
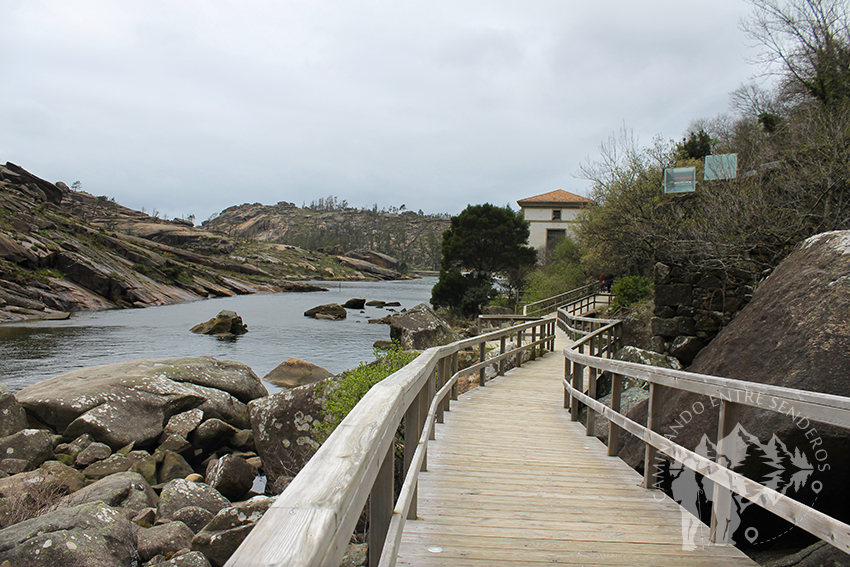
x=413, y=238
x=63, y=250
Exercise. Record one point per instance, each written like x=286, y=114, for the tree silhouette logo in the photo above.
x=787, y=471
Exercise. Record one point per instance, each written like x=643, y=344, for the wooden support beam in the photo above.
x=412, y=432
x=613, y=428
x=653, y=423
x=453, y=395
x=381, y=507
x=533, y=353
x=518, y=345
x=441, y=379
x=590, y=427
x=502, y=363
x=482, y=352
x=432, y=389
x=727, y=445
x=578, y=382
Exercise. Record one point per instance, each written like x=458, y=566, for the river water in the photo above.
x=277, y=330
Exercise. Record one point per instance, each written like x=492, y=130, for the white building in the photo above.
x=551, y=217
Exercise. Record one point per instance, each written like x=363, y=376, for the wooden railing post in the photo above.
x=590, y=428
x=412, y=431
x=533, y=352
x=502, y=342
x=381, y=507
x=518, y=345
x=441, y=379
x=432, y=389
x=482, y=352
x=653, y=423
x=727, y=445
x=567, y=372
x=613, y=428
x=453, y=372
x=578, y=379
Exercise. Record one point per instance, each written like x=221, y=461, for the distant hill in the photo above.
x=412, y=238
x=63, y=250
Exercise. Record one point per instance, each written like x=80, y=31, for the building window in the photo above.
x=556, y=214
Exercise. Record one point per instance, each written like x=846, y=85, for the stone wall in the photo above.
x=692, y=306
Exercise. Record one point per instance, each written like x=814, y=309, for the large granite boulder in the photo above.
x=12, y=415
x=91, y=535
x=130, y=402
x=296, y=372
x=232, y=476
x=32, y=491
x=355, y=303
x=164, y=539
x=794, y=333
x=285, y=427
x=420, y=328
x=180, y=493
x=122, y=490
x=220, y=538
x=32, y=446
x=330, y=311
x=225, y=324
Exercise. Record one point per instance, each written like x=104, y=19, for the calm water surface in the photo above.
x=278, y=330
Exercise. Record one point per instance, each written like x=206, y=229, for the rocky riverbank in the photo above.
x=158, y=462
x=63, y=250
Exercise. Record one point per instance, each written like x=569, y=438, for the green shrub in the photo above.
x=563, y=273
x=342, y=395
x=629, y=290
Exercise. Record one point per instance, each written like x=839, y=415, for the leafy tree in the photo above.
x=620, y=230
x=806, y=43
x=696, y=146
x=484, y=241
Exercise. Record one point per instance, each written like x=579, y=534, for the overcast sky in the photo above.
x=189, y=107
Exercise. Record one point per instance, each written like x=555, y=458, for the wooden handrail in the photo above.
x=311, y=522
x=732, y=394
x=550, y=304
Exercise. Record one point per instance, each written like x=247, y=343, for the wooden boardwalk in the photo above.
x=512, y=481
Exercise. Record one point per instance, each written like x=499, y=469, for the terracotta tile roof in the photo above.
x=554, y=197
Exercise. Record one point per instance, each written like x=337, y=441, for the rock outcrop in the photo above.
x=331, y=312
x=224, y=325
x=285, y=427
x=69, y=251
x=296, y=372
x=384, y=239
x=131, y=402
x=91, y=535
x=419, y=328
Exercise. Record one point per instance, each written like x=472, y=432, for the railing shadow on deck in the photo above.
x=312, y=521
x=599, y=337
